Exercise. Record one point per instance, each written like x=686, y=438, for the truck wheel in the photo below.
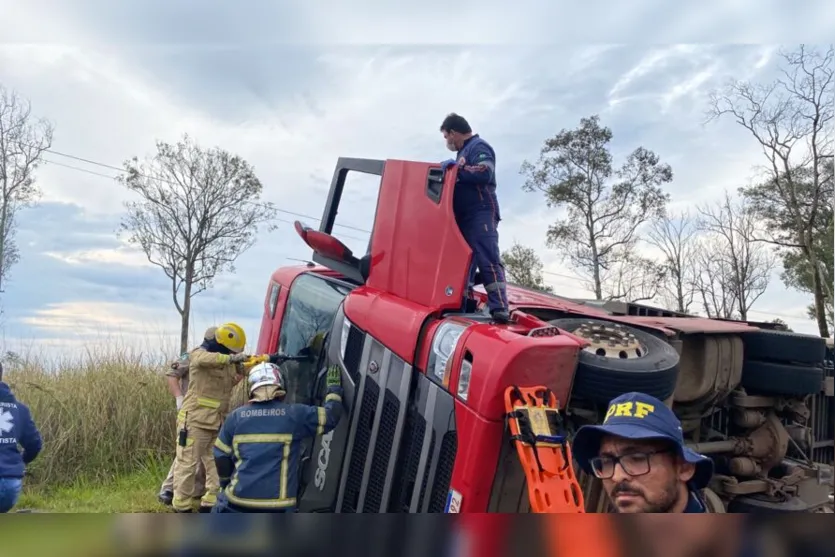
x=781, y=379
x=620, y=359
x=783, y=346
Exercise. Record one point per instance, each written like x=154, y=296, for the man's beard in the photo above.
x=451, y=147
x=662, y=504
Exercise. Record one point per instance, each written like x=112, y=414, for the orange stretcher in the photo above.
x=536, y=427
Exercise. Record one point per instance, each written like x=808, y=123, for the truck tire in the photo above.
x=783, y=346
x=641, y=361
x=781, y=379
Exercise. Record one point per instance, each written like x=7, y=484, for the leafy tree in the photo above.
x=798, y=274
x=23, y=140
x=199, y=209
x=605, y=206
x=524, y=267
x=791, y=119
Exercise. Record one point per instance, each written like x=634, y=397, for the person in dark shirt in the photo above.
x=476, y=208
x=258, y=450
x=17, y=428
x=639, y=454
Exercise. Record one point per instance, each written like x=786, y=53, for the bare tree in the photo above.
x=791, y=119
x=606, y=207
x=633, y=279
x=23, y=140
x=737, y=251
x=199, y=210
x=676, y=236
x=524, y=267
x=713, y=280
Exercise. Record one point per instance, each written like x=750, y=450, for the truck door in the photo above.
x=312, y=304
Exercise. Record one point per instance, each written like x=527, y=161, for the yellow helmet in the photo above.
x=232, y=336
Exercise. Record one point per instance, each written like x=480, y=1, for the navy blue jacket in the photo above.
x=16, y=428
x=695, y=504
x=263, y=440
x=475, y=190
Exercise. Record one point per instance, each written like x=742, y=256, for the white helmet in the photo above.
x=265, y=374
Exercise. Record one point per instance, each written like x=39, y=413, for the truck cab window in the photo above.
x=311, y=306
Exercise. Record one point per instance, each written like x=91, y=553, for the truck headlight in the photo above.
x=343, y=339
x=443, y=347
x=464, y=379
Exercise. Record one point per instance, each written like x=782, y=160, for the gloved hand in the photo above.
x=238, y=358
x=334, y=377
x=179, y=402
x=447, y=164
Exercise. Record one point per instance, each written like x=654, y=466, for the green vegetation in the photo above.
x=108, y=424
x=131, y=493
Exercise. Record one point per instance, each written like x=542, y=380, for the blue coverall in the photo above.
x=16, y=428
x=476, y=210
x=262, y=442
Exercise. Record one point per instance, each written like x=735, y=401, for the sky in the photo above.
x=291, y=88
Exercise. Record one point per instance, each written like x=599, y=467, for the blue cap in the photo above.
x=639, y=416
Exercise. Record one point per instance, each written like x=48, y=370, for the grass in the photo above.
x=130, y=493
x=108, y=426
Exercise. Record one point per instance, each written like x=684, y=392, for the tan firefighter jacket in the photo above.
x=211, y=380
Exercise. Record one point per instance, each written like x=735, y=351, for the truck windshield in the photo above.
x=309, y=314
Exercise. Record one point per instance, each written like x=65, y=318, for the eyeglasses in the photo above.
x=634, y=464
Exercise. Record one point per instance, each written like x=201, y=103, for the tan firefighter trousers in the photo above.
x=199, y=478
x=199, y=449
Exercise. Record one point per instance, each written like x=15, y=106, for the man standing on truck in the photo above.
x=258, y=451
x=16, y=428
x=639, y=454
x=215, y=367
x=177, y=378
x=476, y=208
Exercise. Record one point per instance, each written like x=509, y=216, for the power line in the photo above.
x=285, y=211
x=122, y=170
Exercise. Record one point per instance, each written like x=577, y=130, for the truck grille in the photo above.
x=353, y=353
x=382, y=453
x=425, y=481
x=822, y=422
x=443, y=475
x=404, y=481
x=366, y=421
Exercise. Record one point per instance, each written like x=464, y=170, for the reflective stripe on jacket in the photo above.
x=212, y=379
x=264, y=441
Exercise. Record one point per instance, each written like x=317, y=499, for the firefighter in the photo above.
x=476, y=209
x=639, y=454
x=258, y=450
x=215, y=367
x=177, y=378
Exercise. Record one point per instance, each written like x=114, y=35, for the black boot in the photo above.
x=502, y=317
x=166, y=497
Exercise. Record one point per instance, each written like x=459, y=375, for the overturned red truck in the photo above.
x=424, y=429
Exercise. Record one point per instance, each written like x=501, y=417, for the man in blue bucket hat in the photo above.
x=639, y=454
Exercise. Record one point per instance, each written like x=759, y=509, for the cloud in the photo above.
x=275, y=88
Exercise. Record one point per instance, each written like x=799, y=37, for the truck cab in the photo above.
x=424, y=426
x=424, y=381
